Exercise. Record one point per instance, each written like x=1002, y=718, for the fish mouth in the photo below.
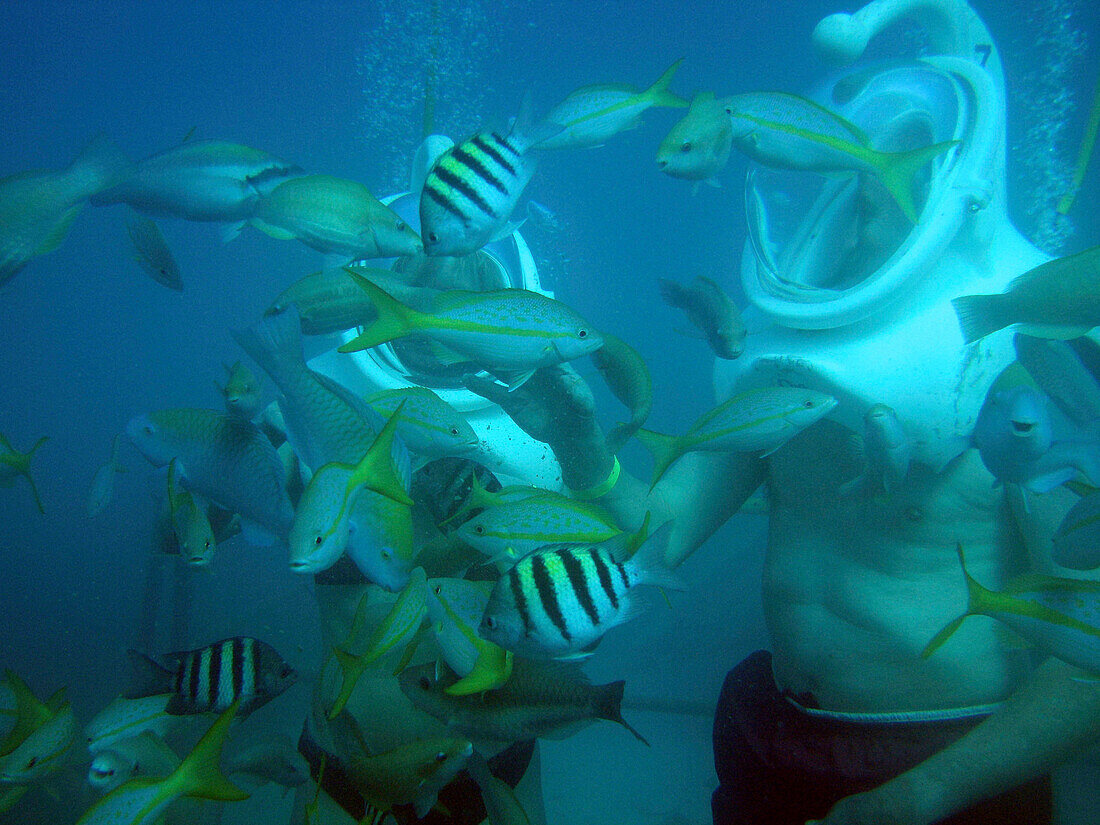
x=196, y=561
x=301, y=566
x=1023, y=427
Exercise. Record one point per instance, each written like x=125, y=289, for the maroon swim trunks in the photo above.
x=779, y=764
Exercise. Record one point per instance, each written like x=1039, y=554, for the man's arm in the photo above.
x=700, y=492
x=1052, y=717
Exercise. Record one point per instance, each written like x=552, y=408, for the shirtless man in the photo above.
x=853, y=591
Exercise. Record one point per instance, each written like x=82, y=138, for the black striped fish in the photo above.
x=557, y=602
x=470, y=192
x=211, y=678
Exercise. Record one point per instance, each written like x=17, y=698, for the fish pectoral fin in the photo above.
x=276, y=232
x=60, y=230
x=508, y=229
x=518, y=381
x=231, y=231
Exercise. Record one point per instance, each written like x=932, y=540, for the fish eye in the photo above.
x=147, y=429
x=433, y=238
x=386, y=555
x=32, y=762
x=480, y=529
x=438, y=589
x=206, y=544
x=685, y=146
x=425, y=683
x=582, y=333
x=286, y=671
x=399, y=226
x=441, y=757
x=490, y=622
x=454, y=430
x=808, y=404
x=318, y=541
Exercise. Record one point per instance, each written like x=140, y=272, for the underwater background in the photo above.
x=87, y=340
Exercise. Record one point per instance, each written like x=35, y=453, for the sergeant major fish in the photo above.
x=558, y=602
x=213, y=678
x=471, y=191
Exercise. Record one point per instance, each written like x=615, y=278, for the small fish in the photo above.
x=224, y=459
x=199, y=180
x=103, y=483
x=506, y=329
x=335, y=217
x=698, y=147
x=1062, y=369
x=542, y=699
x=1060, y=616
x=1077, y=539
x=43, y=734
x=887, y=452
x=212, y=678
x=558, y=602
x=627, y=376
x=786, y=131
x=325, y=421
x=127, y=718
x=143, y=800
x=710, y=309
x=514, y=529
x=142, y=755
x=592, y=115
x=762, y=419
x=398, y=627
x=1058, y=299
x=411, y=774
x=455, y=607
x=329, y=301
x=152, y=253
x=471, y=191
x=242, y=392
x=1022, y=440
x=273, y=760
x=429, y=426
x=37, y=209
x=14, y=463
x=194, y=535
x=323, y=521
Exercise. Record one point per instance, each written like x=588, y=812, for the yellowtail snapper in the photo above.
x=558, y=602
x=238, y=671
x=1061, y=616
x=514, y=330
x=786, y=131
x=761, y=419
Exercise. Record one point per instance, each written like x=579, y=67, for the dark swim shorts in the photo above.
x=779, y=765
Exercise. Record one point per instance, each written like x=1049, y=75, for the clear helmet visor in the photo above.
x=830, y=249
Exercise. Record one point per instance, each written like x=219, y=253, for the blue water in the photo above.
x=87, y=340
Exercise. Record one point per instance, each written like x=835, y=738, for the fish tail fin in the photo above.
x=649, y=563
x=275, y=342
x=150, y=677
x=99, y=166
x=351, y=668
x=394, y=318
x=976, y=596
x=376, y=470
x=980, y=315
x=30, y=478
x=659, y=94
x=618, y=435
x=898, y=172
x=609, y=707
x=665, y=450
x=199, y=775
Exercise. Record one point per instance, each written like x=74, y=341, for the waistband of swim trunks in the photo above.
x=898, y=717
